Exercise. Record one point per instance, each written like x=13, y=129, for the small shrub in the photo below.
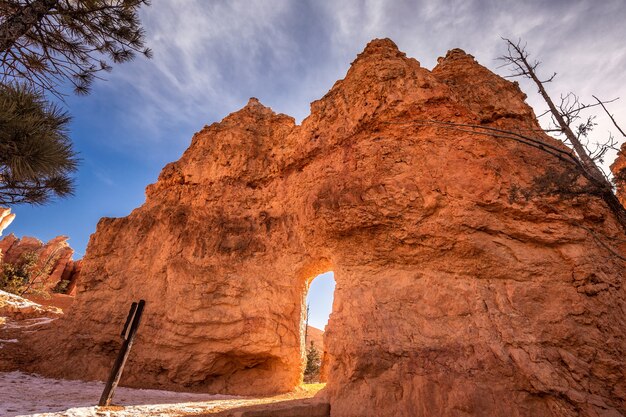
x=565, y=183
x=15, y=277
x=61, y=287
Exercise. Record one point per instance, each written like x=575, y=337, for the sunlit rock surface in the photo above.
x=475, y=273
x=54, y=261
x=618, y=168
x=6, y=217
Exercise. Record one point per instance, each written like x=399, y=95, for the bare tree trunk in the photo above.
x=306, y=325
x=17, y=25
x=588, y=163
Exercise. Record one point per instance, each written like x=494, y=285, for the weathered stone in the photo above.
x=72, y=276
x=15, y=248
x=14, y=307
x=476, y=274
x=7, y=243
x=54, y=259
x=6, y=217
x=618, y=168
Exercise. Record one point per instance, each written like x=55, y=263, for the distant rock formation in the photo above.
x=316, y=336
x=618, y=168
x=55, y=265
x=18, y=317
x=477, y=274
x=6, y=217
x=14, y=307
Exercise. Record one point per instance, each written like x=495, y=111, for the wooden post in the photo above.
x=128, y=334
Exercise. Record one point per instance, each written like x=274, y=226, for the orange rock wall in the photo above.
x=618, y=168
x=54, y=264
x=469, y=280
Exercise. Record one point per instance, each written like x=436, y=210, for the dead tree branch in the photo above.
x=601, y=103
x=563, y=115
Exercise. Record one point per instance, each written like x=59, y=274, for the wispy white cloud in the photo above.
x=581, y=40
x=211, y=56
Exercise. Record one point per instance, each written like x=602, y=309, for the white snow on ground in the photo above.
x=29, y=322
x=19, y=308
x=16, y=300
x=32, y=395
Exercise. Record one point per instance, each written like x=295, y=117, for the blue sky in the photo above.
x=320, y=299
x=210, y=56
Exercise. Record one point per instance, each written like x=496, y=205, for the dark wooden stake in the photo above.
x=128, y=334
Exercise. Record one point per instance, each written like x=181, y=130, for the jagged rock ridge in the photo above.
x=55, y=263
x=618, y=168
x=471, y=278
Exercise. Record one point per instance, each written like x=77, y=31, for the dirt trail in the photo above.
x=32, y=395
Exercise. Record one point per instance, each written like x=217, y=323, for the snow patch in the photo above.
x=16, y=300
x=24, y=394
x=30, y=322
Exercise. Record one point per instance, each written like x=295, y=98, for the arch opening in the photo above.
x=319, y=304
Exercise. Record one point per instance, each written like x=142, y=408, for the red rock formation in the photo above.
x=618, y=168
x=71, y=274
x=476, y=274
x=54, y=258
x=6, y=217
x=316, y=336
x=6, y=243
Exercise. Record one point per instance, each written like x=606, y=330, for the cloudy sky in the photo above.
x=210, y=56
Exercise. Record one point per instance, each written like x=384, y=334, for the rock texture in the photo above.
x=14, y=307
x=18, y=318
x=54, y=259
x=6, y=217
x=476, y=275
x=618, y=168
x=315, y=336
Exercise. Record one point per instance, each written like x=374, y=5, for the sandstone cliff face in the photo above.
x=54, y=259
x=469, y=280
x=6, y=217
x=618, y=168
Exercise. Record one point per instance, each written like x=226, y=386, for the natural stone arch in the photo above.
x=466, y=285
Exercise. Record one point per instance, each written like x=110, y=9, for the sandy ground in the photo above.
x=24, y=394
x=32, y=395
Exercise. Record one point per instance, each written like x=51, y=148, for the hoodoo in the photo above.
x=619, y=174
x=54, y=269
x=477, y=275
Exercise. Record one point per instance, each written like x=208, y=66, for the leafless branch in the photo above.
x=602, y=103
x=563, y=115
